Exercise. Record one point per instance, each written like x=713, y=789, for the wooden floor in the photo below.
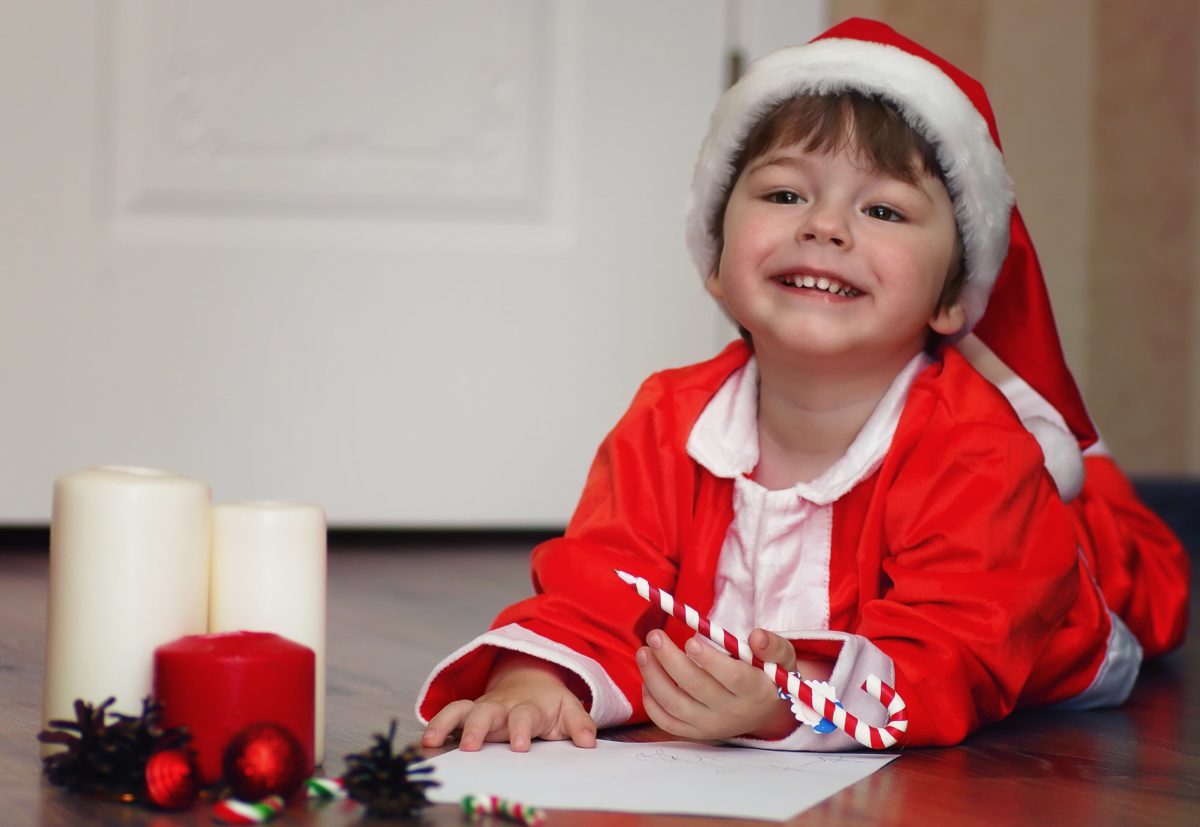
x=396, y=606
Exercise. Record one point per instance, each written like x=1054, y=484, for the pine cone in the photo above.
x=107, y=759
x=390, y=785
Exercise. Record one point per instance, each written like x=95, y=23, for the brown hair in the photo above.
x=868, y=126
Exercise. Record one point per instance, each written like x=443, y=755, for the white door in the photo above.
x=407, y=260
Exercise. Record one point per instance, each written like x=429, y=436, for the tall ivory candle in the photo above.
x=268, y=575
x=129, y=561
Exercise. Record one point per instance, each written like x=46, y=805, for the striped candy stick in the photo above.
x=233, y=811
x=476, y=807
x=325, y=789
x=867, y=735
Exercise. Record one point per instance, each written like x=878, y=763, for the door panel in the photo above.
x=406, y=260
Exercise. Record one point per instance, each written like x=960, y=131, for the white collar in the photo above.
x=725, y=437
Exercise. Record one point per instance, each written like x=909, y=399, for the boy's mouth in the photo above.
x=821, y=283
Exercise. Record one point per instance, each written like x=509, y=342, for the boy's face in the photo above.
x=825, y=257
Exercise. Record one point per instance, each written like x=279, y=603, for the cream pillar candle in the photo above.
x=268, y=575
x=129, y=562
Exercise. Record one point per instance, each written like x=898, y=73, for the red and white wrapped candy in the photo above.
x=233, y=811
x=476, y=807
x=869, y=736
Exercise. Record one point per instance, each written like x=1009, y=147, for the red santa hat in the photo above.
x=1004, y=296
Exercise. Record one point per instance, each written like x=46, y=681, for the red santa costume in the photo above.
x=936, y=553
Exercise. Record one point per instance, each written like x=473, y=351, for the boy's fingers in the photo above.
x=654, y=677
x=772, y=648
x=656, y=682
x=524, y=722
x=663, y=719
x=581, y=729
x=445, y=722
x=689, y=675
x=729, y=674
x=433, y=737
x=705, y=654
x=483, y=719
x=666, y=692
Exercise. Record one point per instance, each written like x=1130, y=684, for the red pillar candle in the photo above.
x=217, y=685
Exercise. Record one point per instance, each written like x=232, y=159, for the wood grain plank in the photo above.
x=396, y=609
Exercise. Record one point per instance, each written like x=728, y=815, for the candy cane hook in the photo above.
x=867, y=735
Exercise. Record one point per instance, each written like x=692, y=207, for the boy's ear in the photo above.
x=713, y=284
x=948, y=320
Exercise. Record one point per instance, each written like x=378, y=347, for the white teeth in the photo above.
x=820, y=283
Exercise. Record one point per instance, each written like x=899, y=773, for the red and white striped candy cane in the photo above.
x=867, y=735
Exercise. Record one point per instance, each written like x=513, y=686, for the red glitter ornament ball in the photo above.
x=171, y=780
x=263, y=760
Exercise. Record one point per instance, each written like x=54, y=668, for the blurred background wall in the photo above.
x=407, y=260
x=410, y=260
x=1098, y=103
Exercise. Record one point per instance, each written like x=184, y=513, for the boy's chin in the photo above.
x=836, y=351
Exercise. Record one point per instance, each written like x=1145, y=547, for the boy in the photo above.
x=843, y=482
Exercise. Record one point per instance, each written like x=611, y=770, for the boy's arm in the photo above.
x=582, y=617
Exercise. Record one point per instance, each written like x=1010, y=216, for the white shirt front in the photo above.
x=773, y=570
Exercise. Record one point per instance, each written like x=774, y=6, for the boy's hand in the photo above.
x=525, y=699
x=703, y=693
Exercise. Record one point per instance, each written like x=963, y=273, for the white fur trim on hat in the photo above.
x=926, y=98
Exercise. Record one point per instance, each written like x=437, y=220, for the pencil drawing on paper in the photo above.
x=728, y=761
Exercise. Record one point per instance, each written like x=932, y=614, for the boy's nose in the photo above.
x=825, y=227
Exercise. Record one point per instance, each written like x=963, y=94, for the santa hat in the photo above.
x=1004, y=296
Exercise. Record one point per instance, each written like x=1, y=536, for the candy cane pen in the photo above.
x=867, y=735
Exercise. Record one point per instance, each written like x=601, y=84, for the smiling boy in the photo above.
x=837, y=269
x=843, y=481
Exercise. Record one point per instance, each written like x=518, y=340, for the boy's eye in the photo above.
x=784, y=197
x=883, y=213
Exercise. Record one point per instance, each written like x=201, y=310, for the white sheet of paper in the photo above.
x=658, y=777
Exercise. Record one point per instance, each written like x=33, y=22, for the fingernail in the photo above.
x=692, y=647
x=643, y=657
x=655, y=639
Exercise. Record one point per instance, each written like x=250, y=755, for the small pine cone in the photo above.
x=390, y=785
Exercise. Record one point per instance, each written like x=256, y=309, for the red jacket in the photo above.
x=955, y=559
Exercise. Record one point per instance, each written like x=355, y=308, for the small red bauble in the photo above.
x=263, y=760
x=171, y=780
